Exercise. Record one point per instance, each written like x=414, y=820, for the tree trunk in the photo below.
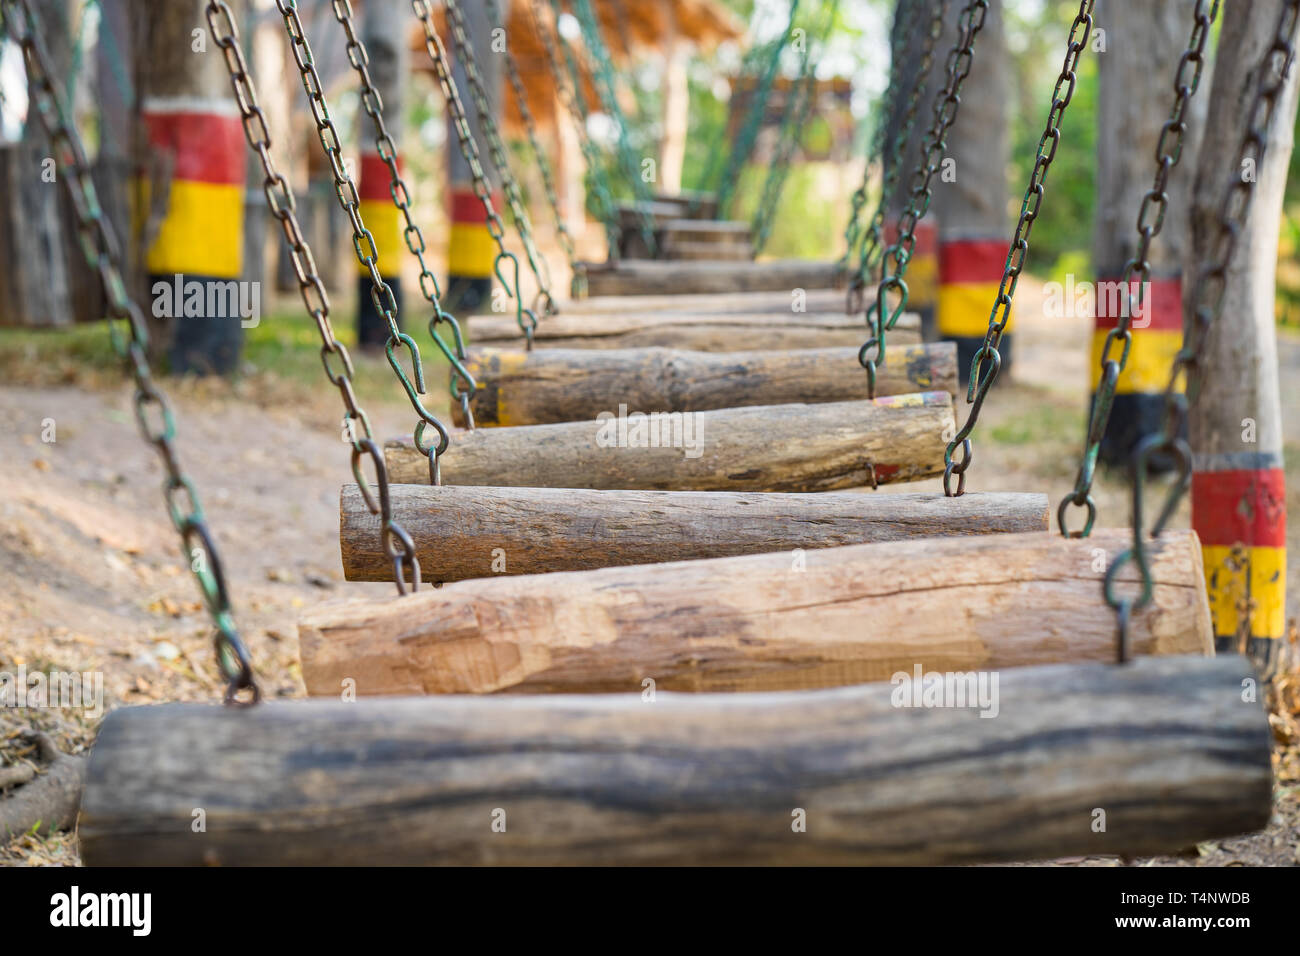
x=1238, y=489
x=761, y=448
x=1145, y=40
x=1164, y=748
x=465, y=532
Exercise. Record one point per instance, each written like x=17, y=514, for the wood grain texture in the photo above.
x=854, y=614
x=760, y=448
x=1164, y=745
x=713, y=332
x=569, y=385
x=651, y=277
x=460, y=532
x=781, y=302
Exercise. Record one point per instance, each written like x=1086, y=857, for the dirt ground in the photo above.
x=93, y=579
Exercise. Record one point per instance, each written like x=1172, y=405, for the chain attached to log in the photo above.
x=1151, y=218
x=153, y=413
x=562, y=234
x=874, y=238
x=1207, y=305
x=462, y=382
x=544, y=303
x=1000, y=315
x=281, y=204
x=525, y=317
x=960, y=59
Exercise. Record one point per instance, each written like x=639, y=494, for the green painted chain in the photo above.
x=462, y=382
x=280, y=202
x=608, y=92
x=545, y=302
x=871, y=251
x=1207, y=306
x=798, y=104
x=526, y=318
x=599, y=193
x=363, y=243
x=743, y=144
x=946, y=103
x=980, y=383
x=1151, y=217
x=562, y=235
x=103, y=256
x=888, y=102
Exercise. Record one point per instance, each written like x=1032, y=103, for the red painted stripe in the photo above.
x=925, y=234
x=972, y=260
x=376, y=180
x=467, y=207
x=1240, y=507
x=1163, y=305
x=207, y=148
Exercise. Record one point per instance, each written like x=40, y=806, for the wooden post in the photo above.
x=40, y=264
x=762, y=448
x=676, y=102
x=970, y=196
x=1238, y=488
x=1144, y=41
x=465, y=532
x=196, y=189
x=856, y=775
x=569, y=385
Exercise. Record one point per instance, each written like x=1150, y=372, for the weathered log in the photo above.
x=783, y=302
x=782, y=621
x=464, y=532
x=569, y=385
x=649, y=277
x=1164, y=747
x=760, y=448
x=689, y=250
x=722, y=332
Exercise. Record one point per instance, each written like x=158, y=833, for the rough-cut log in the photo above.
x=781, y=621
x=761, y=448
x=687, y=250
x=1165, y=747
x=649, y=277
x=569, y=385
x=722, y=332
x=465, y=532
x=783, y=302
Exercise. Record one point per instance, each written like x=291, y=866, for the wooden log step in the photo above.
x=783, y=302
x=780, y=621
x=465, y=532
x=681, y=250
x=569, y=385
x=632, y=214
x=651, y=277
x=724, y=332
x=702, y=228
x=1165, y=746
x=694, y=204
x=760, y=448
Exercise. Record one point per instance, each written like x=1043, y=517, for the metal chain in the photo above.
x=363, y=243
x=1207, y=301
x=526, y=318
x=597, y=186
x=607, y=90
x=153, y=413
x=872, y=248
x=889, y=100
x=960, y=59
x=798, y=103
x=562, y=234
x=462, y=382
x=280, y=202
x=545, y=302
x=1000, y=315
x=1150, y=220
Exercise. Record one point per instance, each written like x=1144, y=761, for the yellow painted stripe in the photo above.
x=1149, y=360
x=385, y=224
x=202, y=233
x=923, y=280
x=1246, y=581
x=473, y=251
x=963, y=309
